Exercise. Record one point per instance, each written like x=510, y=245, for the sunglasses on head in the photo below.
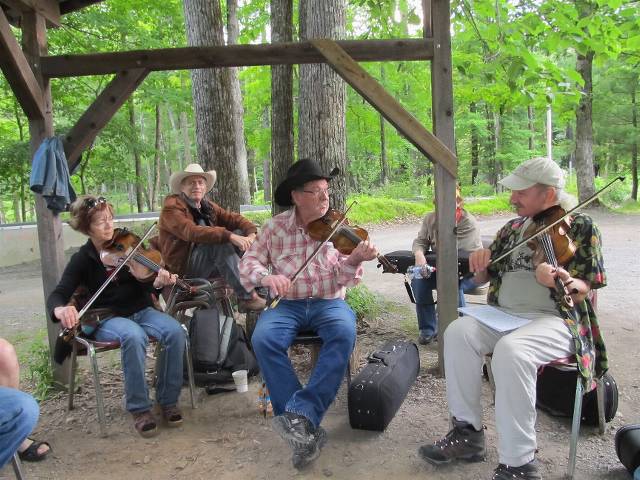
x=91, y=203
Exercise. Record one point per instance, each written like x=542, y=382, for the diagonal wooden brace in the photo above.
x=100, y=112
x=16, y=69
x=389, y=107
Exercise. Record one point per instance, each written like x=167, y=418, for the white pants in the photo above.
x=516, y=358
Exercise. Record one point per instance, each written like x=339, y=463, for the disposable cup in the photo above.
x=240, y=379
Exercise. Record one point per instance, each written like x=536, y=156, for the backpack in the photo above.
x=219, y=347
x=556, y=392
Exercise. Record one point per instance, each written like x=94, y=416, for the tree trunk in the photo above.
x=136, y=156
x=634, y=145
x=322, y=98
x=212, y=96
x=584, y=131
x=281, y=103
x=233, y=32
x=475, y=144
x=491, y=147
x=251, y=165
x=532, y=129
x=266, y=181
x=155, y=191
x=384, y=163
x=186, y=138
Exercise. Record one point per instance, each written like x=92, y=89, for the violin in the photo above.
x=346, y=238
x=554, y=246
x=146, y=261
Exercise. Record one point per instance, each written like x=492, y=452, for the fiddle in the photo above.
x=554, y=245
x=345, y=238
x=146, y=261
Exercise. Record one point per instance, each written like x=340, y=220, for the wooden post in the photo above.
x=442, y=106
x=34, y=45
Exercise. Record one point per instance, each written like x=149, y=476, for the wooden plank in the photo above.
x=16, y=69
x=230, y=56
x=50, y=241
x=100, y=112
x=389, y=107
x=49, y=9
x=73, y=5
x=442, y=110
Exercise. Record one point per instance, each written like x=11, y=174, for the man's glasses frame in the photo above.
x=317, y=193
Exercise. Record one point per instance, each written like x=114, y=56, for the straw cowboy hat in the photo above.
x=301, y=172
x=193, y=169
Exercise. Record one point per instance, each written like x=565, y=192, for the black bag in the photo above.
x=381, y=386
x=403, y=259
x=219, y=347
x=556, y=393
x=627, y=443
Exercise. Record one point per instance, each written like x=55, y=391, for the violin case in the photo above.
x=403, y=259
x=376, y=393
x=627, y=443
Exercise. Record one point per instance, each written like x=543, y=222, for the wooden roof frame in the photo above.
x=29, y=70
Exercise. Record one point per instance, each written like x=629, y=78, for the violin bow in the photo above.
x=275, y=300
x=93, y=298
x=539, y=232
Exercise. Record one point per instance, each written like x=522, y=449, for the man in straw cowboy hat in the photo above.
x=188, y=217
x=523, y=287
x=315, y=302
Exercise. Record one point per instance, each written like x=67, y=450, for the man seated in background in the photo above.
x=188, y=217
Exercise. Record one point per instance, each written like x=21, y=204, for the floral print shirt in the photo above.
x=587, y=264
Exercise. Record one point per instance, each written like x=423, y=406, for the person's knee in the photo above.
x=264, y=340
x=7, y=353
x=507, y=353
x=134, y=337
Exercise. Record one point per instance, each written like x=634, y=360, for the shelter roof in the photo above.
x=50, y=9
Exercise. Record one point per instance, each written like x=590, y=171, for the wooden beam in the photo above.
x=100, y=112
x=73, y=5
x=49, y=9
x=16, y=69
x=389, y=107
x=230, y=56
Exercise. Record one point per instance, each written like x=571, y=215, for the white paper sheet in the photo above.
x=494, y=318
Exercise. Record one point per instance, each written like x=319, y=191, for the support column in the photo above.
x=34, y=45
x=439, y=12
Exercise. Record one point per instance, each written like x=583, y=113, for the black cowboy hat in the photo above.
x=301, y=172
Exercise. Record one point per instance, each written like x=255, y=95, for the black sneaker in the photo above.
x=528, y=471
x=304, y=455
x=296, y=429
x=462, y=442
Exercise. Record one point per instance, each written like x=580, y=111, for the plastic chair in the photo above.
x=577, y=406
x=84, y=346
x=17, y=466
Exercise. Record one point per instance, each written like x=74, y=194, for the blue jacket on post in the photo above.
x=50, y=175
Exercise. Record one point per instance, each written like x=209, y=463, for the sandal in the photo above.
x=31, y=454
x=172, y=415
x=145, y=424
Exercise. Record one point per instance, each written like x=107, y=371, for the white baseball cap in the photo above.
x=537, y=170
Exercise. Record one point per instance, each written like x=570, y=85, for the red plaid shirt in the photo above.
x=284, y=245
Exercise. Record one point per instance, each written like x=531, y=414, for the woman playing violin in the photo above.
x=134, y=318
x=528, y=288
x=315, y=302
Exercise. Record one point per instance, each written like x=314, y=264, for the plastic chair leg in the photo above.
x=602, y=423
x=575, y=429
x=17, y=466
x=192, y=385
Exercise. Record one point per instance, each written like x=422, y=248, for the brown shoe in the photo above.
x=253, y=303
x=145, y=424
x=172, y=415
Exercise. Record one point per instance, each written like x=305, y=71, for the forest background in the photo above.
x=512, y=61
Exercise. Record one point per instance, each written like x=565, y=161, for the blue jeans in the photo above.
x=133, y=334
x=18, y=416
x=334, y=321
x=425, y=306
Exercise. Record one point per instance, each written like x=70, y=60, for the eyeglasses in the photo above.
x=319, y=192
x=91, y=203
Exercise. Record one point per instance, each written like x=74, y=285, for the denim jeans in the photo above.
x=133, y=334
x=425, y=306
x=18, y=416
x=335, y=323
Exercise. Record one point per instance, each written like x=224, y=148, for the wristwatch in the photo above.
x=261, y=275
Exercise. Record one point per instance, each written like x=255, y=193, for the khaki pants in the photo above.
x=517, y=355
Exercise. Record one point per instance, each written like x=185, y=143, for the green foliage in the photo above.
x=259, y=218
x=489, y=206
x=380, y=209
x=365, y=303
x=37, y=362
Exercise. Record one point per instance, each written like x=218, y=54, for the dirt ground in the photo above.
x=226, y=438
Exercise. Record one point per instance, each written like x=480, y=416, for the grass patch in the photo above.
x=381, y=209
x=259, y=218
x=629, y=206
x=364, y=302
x=489, y=206
x=35, y=363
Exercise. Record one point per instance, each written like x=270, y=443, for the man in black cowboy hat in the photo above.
x=314, y=302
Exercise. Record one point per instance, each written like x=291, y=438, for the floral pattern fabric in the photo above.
x=587, y=264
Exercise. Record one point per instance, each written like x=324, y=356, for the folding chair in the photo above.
x=17, y=466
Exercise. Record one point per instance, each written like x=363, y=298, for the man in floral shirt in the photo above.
x=524, y=286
